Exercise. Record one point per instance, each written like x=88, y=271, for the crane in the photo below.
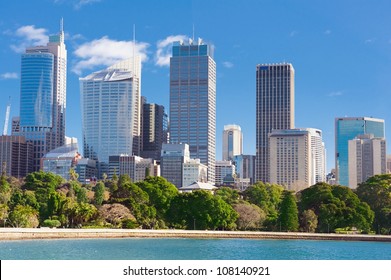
x=7, y=117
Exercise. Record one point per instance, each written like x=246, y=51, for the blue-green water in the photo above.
x=192, y=249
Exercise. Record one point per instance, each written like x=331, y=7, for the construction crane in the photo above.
x=7, y=117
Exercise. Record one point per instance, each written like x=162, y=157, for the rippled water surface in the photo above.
x=189, y=249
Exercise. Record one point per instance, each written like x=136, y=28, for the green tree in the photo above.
x=160, y=193
x=5, y=190
x=24, y=216
x=336, y=207
x=99, y=192
x=228, y=194
x=201, y=210
x=4, y=211
x=268, y=198
x=308, y=221
x=288, y=214
x=376, y=191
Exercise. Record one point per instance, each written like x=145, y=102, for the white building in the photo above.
x=224, y=168
x=232, y=141
x=296, y=158
x=110, y=105
x=367, y=157
x=194, y=171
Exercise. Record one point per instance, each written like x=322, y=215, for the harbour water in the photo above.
x=192, y=249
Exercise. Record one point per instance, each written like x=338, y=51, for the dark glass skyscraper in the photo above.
x=274, y=109
x=193, y=101
x=154, y=130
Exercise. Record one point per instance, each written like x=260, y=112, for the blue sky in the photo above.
x=341, y=52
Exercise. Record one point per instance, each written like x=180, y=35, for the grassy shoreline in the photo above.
x=47, y=233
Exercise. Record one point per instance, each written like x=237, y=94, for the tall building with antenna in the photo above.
x=193, y=101
x=110, y=105
x=43, y=96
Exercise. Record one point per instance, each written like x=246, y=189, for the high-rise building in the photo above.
x=172, y=158
x=296, y=158
x=16, y=156
x=43, y=96
x=245, y=167
x=274, y=109
x=154, y=130
x=346, y=129
x=232, y=141
x=367, y=157
x=388, y=163
x=110, y=115
x=193, y=101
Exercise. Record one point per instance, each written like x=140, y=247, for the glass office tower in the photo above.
x=193, y=101
x=347, y=129
x=108, y=105
x=43, y=96
x=275, y=91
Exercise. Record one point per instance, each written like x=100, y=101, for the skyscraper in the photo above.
x=110, y=113
x=274, y=109
x=193, y=101
x=347, y=129
x=154, y=130
x=367, y=157
x=232, y=141
x=296, y=157
x=43, y=96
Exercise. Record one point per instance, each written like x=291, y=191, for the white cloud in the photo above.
x=106, y=52
x=370, y=41
x=335, y=93
x=9, y=75
x=30, y=36
x=327, y=32
x=81, y=3
x=163, y=52
x=228, y=64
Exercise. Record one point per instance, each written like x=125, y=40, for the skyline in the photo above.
x=341, y=53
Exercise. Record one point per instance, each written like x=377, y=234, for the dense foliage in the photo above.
x=46, y=200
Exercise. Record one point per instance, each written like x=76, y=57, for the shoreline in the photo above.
x=8, y=234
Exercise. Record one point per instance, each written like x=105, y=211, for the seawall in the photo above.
x=47, y=233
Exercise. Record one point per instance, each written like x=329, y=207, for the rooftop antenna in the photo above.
x=193, y=32
x=62, y=25
x=7, y=117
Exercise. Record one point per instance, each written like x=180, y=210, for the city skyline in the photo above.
x=340, y=60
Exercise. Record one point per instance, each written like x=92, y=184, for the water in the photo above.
x=192, y=249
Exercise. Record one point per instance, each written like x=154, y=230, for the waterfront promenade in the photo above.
x=48, y=233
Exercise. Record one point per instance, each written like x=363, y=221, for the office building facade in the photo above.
x=296, y=158
x=43, y=96
x=16, y=155
x=346, y=129
x=193, y=101
x=110, y=113
x=367, y=157
x=154, y=130
x=274, y=109
x=245, y=167
x=225, y=171
x=172, y=158
x=232, y=141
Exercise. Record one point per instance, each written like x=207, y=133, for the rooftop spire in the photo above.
x=62, y=25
